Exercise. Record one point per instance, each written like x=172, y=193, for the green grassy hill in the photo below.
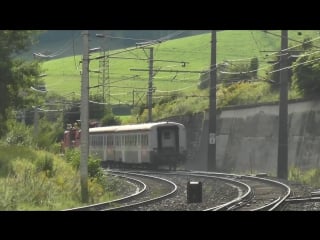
x=63, y=74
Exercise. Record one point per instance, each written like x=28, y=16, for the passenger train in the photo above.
x=142, y=145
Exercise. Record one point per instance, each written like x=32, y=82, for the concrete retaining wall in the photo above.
x=247, y=138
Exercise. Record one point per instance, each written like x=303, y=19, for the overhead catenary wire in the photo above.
x=222, y=72
x=294, y=65
x=284, y=50
x=291, y=39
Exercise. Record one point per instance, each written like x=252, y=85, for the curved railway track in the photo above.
x=148, y=189
x=167, y=191
x=263, y=194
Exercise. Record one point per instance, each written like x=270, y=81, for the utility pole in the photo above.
x=103, y=75
x=150, y=85
x=84, y=115
x=211, y=160
x=283, y=109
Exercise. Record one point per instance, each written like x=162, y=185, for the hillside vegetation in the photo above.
x=63, y=74
x=126, y=86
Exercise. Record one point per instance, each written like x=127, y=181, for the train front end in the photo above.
x=169, y=148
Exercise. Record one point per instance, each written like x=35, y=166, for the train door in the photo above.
x=168, y=146
x=168, y=139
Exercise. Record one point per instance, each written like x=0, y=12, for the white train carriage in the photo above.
x=148, y=144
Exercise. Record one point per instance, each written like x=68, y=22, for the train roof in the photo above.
x=133, y=127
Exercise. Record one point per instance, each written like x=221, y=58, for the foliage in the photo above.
x=64, y=77
x=242, y=93
x=23, y=135
x=310, y=177
x=236, y=72
x=16, y=74
x=18, y=134
x=38, y=180
x=49, y=133
x=45, y=164
x=8, y=153
x=274, y=76
x=231, y=44
x=109, y=119
x=306, y=72
x=72, y=156
x=179, y=104
x=229, y=72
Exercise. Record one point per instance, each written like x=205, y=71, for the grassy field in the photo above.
x=63, y=74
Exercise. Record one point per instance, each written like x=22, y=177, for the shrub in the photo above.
x=19, y=134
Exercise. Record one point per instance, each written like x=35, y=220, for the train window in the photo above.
x=118, y=141
x=110, y=140
x=167, y=135
x=135, y=140
x=144, y=140
x=139, y=140
x=123, y=140
x=99, y=140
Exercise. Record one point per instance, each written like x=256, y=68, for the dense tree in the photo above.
x=110, y=119
x=16, y=75
x=306, y=74
x=293, y=52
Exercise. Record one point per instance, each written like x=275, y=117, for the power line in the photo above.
x=174, y=71
x=294, y=65
x=291, y=39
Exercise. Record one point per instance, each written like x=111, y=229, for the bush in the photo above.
x=45, y=164
x=19, y=134
x=110, y=120
x=72, y=156
x=42, y=181
x=306, y=76
x=94, y=164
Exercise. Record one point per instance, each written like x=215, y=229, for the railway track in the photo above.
x=311, y=202
x=167, y=191
x=148, y=189
x=262, y=194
